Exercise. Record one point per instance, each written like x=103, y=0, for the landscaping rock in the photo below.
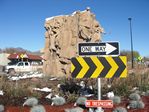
x=38, y=108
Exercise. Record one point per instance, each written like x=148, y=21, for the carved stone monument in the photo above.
x=63, y=33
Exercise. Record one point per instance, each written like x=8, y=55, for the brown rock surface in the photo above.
x=63, y=33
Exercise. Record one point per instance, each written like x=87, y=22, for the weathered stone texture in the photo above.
x=63, y=33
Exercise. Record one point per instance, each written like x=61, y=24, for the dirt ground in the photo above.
x=50, y=108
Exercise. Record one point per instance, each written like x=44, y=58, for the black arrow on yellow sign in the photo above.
x=96, y=67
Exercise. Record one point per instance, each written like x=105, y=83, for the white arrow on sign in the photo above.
x=103, y=48
x=109, y=48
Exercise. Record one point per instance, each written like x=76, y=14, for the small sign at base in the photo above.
x=99, y=103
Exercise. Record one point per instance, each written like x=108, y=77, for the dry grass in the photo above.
x=139, y=77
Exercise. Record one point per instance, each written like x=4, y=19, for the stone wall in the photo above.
x=63, y=33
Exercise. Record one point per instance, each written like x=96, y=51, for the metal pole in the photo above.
x=132, y=57
x=99, y=109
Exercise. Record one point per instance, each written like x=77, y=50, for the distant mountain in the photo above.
x=36, y=53
x=11, y=50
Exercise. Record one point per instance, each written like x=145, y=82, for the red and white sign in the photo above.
x=99, y=103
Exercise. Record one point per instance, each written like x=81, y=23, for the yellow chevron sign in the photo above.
x=97, y=67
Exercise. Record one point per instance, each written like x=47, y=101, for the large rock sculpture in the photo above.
x=63, y=33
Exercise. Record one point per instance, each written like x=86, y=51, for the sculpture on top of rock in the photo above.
x=63, y=33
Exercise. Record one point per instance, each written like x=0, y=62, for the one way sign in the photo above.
x=103, y=48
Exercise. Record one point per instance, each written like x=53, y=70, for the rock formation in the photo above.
x=63, y=33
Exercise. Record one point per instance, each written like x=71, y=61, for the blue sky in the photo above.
x=22, y=21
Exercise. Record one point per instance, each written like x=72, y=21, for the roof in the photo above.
x=24, y=55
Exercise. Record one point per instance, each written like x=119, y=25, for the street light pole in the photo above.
x=132, y=57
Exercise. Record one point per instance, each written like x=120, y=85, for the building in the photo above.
x=4, y=59
x=17, y=57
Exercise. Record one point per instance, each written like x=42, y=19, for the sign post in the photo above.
x=99, y=109
x=97, y=66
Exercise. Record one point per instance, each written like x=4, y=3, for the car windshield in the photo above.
x=20, y=64
x=26, y=64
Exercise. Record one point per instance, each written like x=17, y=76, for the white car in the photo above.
x=22, y=67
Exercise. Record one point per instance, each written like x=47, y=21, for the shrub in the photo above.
x=136, y=105
x=31, y=101
x=120, y=109
x=38, y=108
x=138, y=92
x=19, y=92
x=36, y=94
x=147, y=93
x=116, y=99
x=1, y=108
x=71, y=98
x=58, y=101
x=81, y=101
x=120, y=87
x=134, y=96
x=143, y=93
x=144, y=87
x=132, y=104
x=77, y=109
x=13, y=94
x=13, y=90
x=140, y=104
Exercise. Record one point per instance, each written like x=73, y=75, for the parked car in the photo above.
x=22, y=67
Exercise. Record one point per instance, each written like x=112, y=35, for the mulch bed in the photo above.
x=50, y=108
x=47, y=107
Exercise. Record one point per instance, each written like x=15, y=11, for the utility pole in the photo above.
x=132, y=57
